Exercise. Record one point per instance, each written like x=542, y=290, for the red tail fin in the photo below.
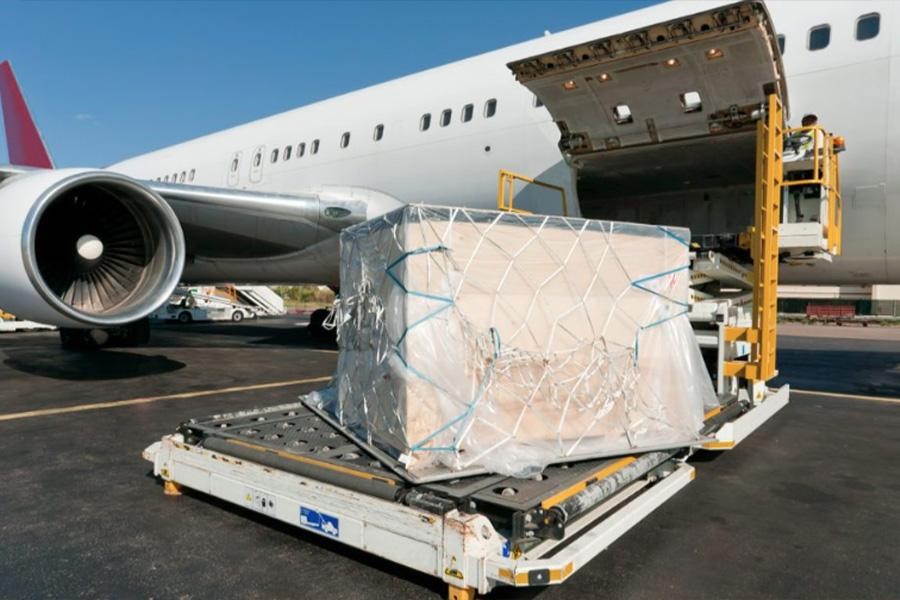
x=23, y=141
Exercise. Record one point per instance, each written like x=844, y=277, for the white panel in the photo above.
x=192, y=477
x=401, y=549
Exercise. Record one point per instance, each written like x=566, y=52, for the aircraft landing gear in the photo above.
x=316, y=327
x=132, y=334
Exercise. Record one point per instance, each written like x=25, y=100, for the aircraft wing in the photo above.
x=94, y=247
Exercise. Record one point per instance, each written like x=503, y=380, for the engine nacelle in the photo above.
x=86, y=248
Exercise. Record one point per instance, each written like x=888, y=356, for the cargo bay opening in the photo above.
x=682, y=123
x=660, y=123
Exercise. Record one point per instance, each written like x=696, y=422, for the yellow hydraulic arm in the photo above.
x=764, y=251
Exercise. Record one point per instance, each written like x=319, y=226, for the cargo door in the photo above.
x=661, y=111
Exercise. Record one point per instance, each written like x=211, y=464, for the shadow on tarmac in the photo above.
x=89, y=366
x=293, y=337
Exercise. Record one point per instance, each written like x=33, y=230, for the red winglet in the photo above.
x=23, y=141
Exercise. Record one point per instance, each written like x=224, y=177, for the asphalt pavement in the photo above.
x=804, y=508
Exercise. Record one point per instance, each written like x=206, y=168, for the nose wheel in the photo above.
x=132, y=334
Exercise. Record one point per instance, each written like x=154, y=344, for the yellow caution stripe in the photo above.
x=574, y=489
x=520, y=578
x=710, y=414
x=314, y=462
x=717, y=445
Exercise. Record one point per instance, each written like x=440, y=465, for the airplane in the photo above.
x=264, y=202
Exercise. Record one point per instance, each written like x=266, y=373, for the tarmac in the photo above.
x=804, y=508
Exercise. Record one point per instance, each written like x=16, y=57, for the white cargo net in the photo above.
x=507, y=342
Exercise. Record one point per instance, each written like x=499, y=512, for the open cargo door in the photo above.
x=662, y=111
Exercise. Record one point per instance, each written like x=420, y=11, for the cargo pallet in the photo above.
x=475, y=533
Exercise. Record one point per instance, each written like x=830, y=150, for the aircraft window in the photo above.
x=819, y=37
x=274, y=156
x=425, y=122
x=780, y=39
x=315, y=147
x=191, y=174
x=467, y=112
x=234, y=165
x=183, y=177
x=257, y=159
x=867, y=26
x=379, y=133
x=446, y=116
x=622, y=114
x=175, y=178
x=537, y=102
x=691, y=102
x=301, y=149
x=490, y=108
x=287, y=152
x=166, y=179
x=345, y=139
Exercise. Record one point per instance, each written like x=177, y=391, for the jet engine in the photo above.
x=85, y=248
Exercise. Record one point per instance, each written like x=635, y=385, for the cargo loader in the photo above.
x=479, y=530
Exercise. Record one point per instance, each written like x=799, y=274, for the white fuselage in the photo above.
x=851, y=85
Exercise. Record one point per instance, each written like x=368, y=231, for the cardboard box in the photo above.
x=505, y=342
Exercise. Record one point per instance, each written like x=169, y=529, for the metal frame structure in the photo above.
x=464, y=549
x=826, y=174
x=764, y=251
x=506, y=191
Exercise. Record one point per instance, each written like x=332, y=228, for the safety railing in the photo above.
x=820, y=142
x=506, y=191
x=825, y=172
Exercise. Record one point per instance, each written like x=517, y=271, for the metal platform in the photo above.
x=475, y=540
x=295, y=439
x=474, y=532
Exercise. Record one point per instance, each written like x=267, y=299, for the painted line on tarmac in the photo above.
x=148, y=399
x=849, y=396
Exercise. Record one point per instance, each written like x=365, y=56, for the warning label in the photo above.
x=319, y=521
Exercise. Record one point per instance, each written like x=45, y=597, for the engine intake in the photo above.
x=98, y=249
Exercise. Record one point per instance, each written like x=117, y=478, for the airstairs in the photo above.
x=264, y=299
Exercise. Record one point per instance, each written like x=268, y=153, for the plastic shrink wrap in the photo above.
x=506, y=342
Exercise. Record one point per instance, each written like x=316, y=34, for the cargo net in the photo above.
x=505, y=342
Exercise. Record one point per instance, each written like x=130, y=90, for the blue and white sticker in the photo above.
x=319, y=521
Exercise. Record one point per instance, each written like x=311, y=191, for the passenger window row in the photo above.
x=288, y=151
x=465, y=115
x=867, y=27
x=184, y=177
x=283, y=154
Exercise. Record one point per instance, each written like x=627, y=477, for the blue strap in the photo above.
x=673, y=236
x=638, y=283
x=470, y=409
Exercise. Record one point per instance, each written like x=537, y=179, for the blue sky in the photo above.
x=108, y=80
